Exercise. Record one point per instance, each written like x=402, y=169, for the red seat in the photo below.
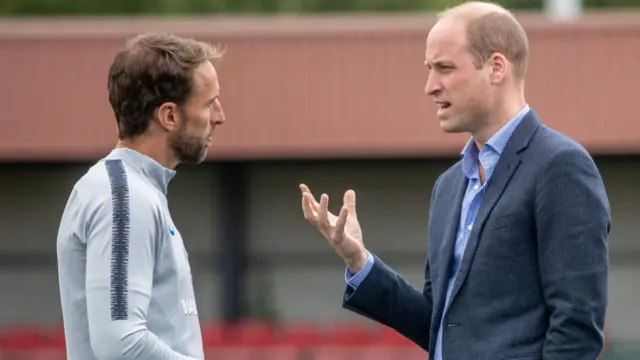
x=59, y=340
x=392, y=353
x=380, y=353
x=250, y=340
x=333, y=353
x=22, y=338
x=52, y=338
x=386, y=336
x=244, y=333
x=415, y=353
x=349, y=334
x=279, y=353
x=252, y=353
x=303, y=335
x=230, y=353
x=252, y=333
x=213, y=335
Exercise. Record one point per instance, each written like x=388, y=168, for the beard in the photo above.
x=188, y=148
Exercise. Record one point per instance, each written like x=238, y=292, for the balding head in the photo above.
x=490, y=29
x=477, y=56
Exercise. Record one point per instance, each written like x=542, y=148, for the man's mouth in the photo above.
x=443, y=104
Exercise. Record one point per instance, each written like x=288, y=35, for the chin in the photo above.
x=193, y=161
x=194, y=157
x=201, y=157
x=448, y=127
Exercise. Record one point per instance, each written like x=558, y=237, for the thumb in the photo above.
x=350, y=201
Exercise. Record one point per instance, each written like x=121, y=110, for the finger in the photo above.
x=350, y=201
x=323, y=214
x=340, y=224
x=305, y=189
x=307, y=210
x=312, y=201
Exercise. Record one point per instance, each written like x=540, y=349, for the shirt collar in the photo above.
x=157, y=174
x=496, y=143
x=499, y=140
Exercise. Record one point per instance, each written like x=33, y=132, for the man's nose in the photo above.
x=432, y=86
x=218, y=116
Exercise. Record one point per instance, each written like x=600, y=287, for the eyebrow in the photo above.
x=438, y=63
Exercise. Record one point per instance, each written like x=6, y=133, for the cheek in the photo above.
x=476, y=90
x=198, y=123
x=462, y=90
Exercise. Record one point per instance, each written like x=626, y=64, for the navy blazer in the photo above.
x=533, y=279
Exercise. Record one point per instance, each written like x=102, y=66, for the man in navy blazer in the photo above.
x=517, y=261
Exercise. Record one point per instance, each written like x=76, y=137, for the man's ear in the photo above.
x=168, y=116
x=499, y=67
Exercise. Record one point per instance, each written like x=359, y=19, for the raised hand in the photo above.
x=343, y=231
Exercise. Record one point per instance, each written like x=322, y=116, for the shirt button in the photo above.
x=469, y=227
x=475, y=187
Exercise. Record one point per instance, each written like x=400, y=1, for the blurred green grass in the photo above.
x=190, y=7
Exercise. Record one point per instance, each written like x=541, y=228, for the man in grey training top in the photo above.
x=125, y=280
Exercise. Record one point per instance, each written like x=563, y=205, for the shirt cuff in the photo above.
x=354, y=280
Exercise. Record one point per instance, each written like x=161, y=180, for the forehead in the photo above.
x=205, y=80
x=446, y=40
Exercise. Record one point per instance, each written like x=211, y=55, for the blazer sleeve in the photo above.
x=573, y=222
x=386, y=297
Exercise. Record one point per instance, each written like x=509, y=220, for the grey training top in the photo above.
x=125, y=280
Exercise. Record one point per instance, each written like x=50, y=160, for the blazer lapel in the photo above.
x=507, y=165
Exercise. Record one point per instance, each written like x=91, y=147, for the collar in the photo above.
x=496, y=143
x=157, y=174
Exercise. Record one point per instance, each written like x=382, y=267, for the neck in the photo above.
x=505, y=111
x=153, y=149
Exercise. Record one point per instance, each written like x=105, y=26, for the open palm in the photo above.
x=343, y=231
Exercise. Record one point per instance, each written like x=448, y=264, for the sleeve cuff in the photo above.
x=354, y=280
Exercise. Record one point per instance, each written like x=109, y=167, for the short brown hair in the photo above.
x=490, y=28
x=150, y=70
